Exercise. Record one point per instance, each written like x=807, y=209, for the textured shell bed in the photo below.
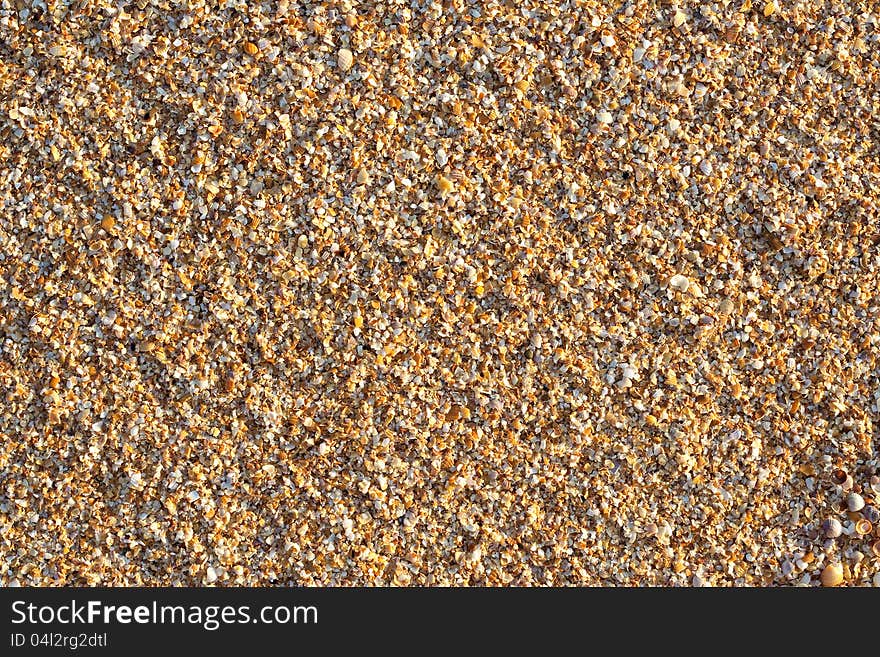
x=459, y=293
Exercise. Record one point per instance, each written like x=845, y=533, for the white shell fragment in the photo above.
x=855, y=502
x=679, y=282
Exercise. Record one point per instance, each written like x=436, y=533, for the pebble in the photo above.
x=210, y=575
x=679, y=18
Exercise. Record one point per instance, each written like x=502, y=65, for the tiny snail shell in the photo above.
x=345, y=59
x=875, y=548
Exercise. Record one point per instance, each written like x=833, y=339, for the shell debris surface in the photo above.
x=459, y=294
